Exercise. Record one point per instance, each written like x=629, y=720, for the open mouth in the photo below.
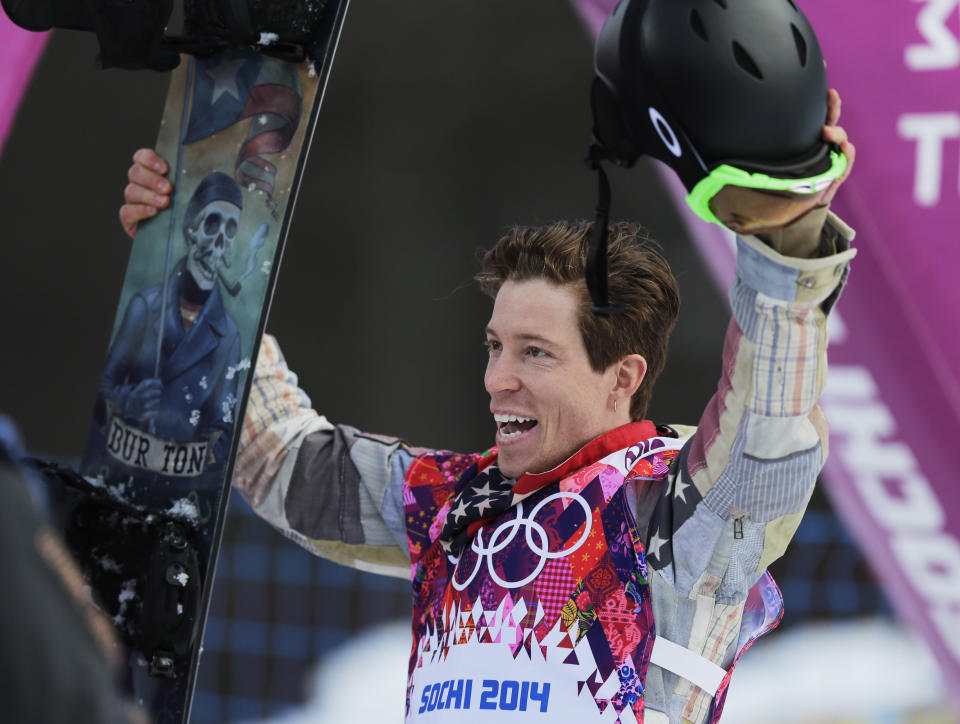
x=512, y=426
x=208, y=271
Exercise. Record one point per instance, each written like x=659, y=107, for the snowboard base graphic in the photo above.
x=236, y=130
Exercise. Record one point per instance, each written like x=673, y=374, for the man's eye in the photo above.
x=536, y=352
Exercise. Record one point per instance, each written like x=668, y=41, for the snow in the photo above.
x=251, y=187
x=128, y=593
x=339, y=689
x=116, y=491
x=97, y=482
x=203, y=382
x=182, y=578
x=232, y=370
x=847, y=665
x=179, y=609
x=194, y=417
x=268, y=38
x=108, y=564
x=184, y=509
x=227, y=408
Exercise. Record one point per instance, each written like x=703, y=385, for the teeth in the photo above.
x=501, y=419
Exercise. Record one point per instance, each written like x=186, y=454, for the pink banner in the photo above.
x=893, y=395
x=19, y=51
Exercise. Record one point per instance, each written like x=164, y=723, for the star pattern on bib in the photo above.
x=487, y=495
x=677, y=505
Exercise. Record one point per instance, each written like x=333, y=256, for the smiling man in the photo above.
x=559, y=377
x=593, y=565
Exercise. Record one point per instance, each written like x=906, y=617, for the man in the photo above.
x=191, y=395
x=592, y=566
x=530, y=569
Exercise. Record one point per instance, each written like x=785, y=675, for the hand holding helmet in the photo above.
x=732, y=95
x=751, y=211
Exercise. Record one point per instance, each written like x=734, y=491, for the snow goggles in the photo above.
x=726, y=175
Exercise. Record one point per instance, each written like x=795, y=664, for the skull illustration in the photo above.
x=210, y=238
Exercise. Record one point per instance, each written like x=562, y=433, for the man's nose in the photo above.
x=501, y=375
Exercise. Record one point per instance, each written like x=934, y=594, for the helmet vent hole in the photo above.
x=801, y=44
x=745, y=61
x=696, y=22
x=794, y=6
x=721, y=3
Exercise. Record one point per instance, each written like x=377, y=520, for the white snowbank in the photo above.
x=869, y=671
x=340, y=689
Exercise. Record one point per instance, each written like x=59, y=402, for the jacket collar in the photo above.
x=185, y=348
x=457, y=533
x=212, y=314
x=596, y=449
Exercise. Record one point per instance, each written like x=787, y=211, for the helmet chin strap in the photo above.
x=596, y=271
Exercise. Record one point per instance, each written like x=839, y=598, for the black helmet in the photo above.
x=701, y=83
x=722, y=91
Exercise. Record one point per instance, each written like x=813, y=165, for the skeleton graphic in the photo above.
x=211, y=230
x=210, y=241
x=210, y=227
x=165, y=381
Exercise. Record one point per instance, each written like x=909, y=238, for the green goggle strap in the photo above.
x=699, y=198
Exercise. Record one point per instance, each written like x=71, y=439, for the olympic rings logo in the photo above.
x=507, y=531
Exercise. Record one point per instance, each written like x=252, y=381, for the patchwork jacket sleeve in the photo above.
x=330, y=488
x=744, y=479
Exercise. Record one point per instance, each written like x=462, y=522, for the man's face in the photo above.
x=210, y=241
x=538, y=371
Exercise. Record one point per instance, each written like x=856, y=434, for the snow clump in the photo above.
x=184, y=509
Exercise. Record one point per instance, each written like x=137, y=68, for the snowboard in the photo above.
x=147, y=523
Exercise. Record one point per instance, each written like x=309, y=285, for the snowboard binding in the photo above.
x=132, y=33
x=154, y=607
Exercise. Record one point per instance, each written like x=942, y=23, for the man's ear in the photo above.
x=630, y=373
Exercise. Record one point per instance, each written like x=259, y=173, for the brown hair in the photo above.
x=639, y=278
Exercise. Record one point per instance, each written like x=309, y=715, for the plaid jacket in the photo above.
x=738, y=487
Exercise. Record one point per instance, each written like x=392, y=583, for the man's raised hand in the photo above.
x=147, y=191
x=752, y=211
x=836, y=134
